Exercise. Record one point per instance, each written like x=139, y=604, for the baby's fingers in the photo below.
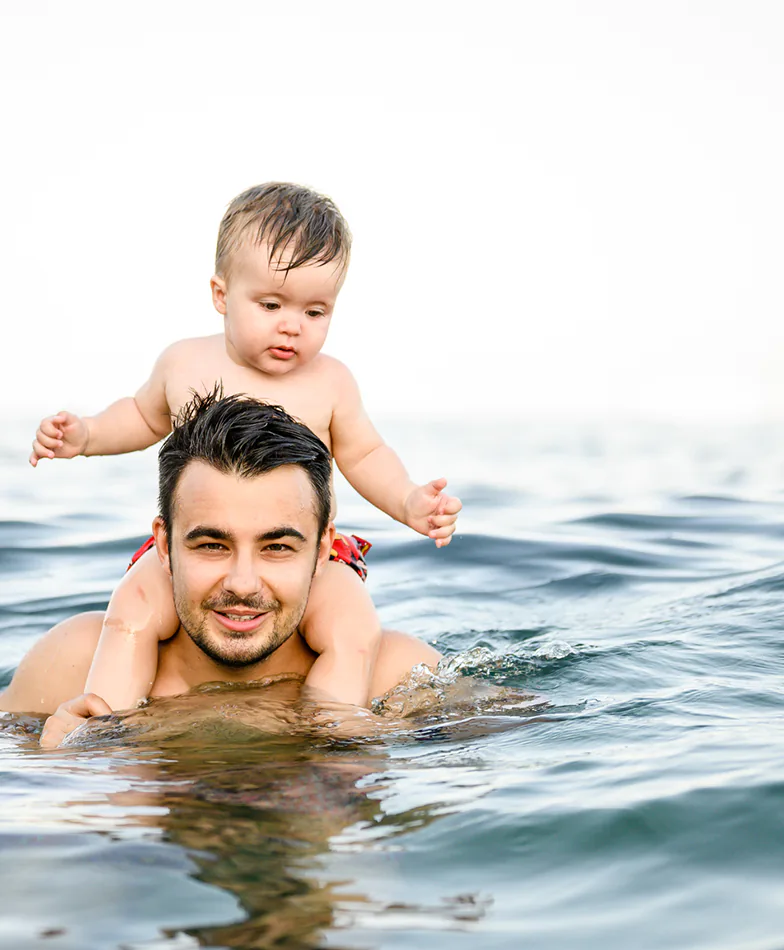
x=442, y=536
x=40, y=452
x=450, y=505
x=56, y=728
x=52, y=426
x=441, y=521
x=49, y=440
x=70, y=716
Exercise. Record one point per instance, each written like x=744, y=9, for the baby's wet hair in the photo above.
x=291, y=220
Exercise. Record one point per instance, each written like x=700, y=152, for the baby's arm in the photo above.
x=341, y=625
x=377, y=473
x=140, y=614
x=128, y=425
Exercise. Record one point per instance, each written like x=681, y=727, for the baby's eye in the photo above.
x=270, y=305
x=315, y=313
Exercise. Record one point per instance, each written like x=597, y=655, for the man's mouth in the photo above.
x=240, y=621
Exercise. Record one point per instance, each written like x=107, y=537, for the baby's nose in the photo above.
x=290, y=322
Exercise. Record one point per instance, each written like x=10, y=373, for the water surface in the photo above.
x=629, y=578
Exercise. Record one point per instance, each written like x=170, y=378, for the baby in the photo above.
x=282, y=256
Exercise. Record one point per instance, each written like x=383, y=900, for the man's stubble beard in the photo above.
x=284, y=625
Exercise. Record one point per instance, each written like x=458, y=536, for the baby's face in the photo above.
x=275, y=321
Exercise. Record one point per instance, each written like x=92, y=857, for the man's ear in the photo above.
x=218, y=288
x=162, y=543
x=325, y=546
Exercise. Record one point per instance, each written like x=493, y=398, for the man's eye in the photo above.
x=210, y=546
x=277, y=547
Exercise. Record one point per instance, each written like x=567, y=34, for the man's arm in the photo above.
x=377, y=473
x=56, y=667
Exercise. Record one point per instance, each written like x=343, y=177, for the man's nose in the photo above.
x=243, y=578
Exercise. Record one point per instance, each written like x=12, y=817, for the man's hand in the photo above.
x=63, y=436
x=70, y=715
x=433, y=513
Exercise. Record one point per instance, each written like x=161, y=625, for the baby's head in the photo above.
x=282, y=255
x=295, y=224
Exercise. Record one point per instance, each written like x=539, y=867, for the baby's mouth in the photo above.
x=283, y=352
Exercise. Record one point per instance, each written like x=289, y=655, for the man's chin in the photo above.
x=235, y=653
x=237, y=649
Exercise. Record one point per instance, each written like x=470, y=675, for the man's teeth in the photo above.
x=240, y=616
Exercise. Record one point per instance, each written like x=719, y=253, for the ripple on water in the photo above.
x=598, y=764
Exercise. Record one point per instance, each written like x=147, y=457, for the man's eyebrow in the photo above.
x=204, y=531
x=284, y=531
x=217, y=534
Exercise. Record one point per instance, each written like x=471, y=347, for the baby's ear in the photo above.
x=218, y=288
x=161, y=543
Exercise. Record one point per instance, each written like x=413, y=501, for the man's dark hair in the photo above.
x=290, y=219
x=242, y=436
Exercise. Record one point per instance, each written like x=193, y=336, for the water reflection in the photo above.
x=216, y=818
x=232, y=778
x=256, y=813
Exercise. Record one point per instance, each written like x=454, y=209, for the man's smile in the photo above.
x=242, y=617
x=240, y=621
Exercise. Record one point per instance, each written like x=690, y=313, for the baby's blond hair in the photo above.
x=290, y=219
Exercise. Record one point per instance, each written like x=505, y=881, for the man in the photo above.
x=245, y=500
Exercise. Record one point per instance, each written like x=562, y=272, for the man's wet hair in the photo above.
x=291, y=220
x=239, y=435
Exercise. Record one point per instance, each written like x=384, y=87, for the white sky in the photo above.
x=559, y=208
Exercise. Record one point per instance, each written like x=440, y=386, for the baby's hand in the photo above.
x=69, y=716
x=430, y=512
x=63, y=436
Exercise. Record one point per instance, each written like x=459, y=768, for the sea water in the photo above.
x=598, y=763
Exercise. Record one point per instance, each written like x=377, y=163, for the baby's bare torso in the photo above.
x=306, y=392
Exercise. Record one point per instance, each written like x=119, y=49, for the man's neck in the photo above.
x=182, y=665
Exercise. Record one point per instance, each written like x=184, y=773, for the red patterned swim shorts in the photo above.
x=351, y=550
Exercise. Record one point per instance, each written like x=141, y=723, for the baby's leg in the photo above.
x=341, y=625
x=140, y=614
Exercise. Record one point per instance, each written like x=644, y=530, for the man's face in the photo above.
x=242, y=554
x=275, y=321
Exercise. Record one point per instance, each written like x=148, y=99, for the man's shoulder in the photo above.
x=398, y=654
x=55, y=668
